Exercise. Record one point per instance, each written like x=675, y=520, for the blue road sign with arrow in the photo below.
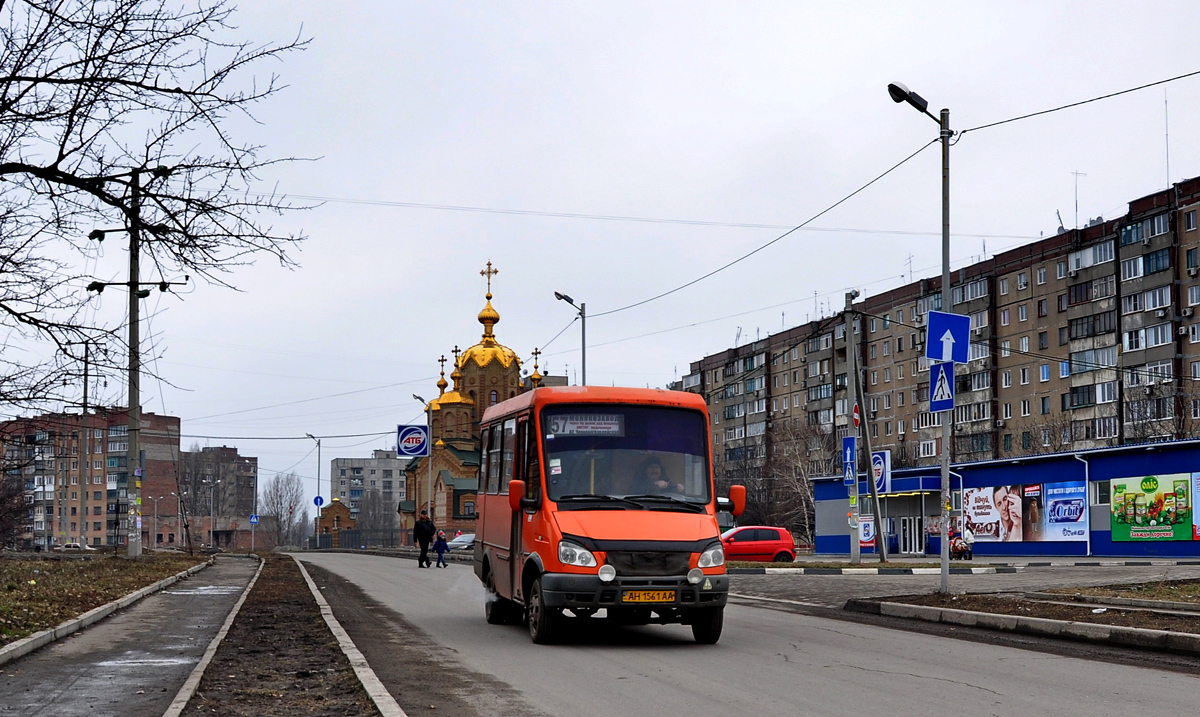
x=941, y=387
x=949, y=337
x=849, y=460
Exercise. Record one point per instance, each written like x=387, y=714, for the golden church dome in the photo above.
x=488, y=349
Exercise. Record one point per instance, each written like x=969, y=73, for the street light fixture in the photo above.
x=582, y=309
x=900, y=93
x=428, y=458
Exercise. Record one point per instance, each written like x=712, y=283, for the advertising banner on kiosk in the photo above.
x=1033, y=512
x=1153, y=507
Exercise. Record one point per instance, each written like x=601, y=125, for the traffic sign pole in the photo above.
x=849, y=442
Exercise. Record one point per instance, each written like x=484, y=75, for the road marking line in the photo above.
x=383, y=699
x=788, y=602
x=193, y=681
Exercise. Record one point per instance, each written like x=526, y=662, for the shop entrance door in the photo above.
x=910, y=535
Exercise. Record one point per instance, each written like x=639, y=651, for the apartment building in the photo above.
x=73, y=469
x=382, y=473
x=219, y=487
x=1086, y=339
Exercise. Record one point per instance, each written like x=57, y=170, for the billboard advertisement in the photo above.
x=1034, y=512
x=1153, y=507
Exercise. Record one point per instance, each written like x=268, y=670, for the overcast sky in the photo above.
x=730, y=113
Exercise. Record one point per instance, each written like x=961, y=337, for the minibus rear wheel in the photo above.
x=707, y=624
x=544, y=621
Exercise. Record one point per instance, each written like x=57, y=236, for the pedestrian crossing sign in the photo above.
x=941, y=387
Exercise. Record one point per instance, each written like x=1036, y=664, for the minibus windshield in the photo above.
x=655, y=456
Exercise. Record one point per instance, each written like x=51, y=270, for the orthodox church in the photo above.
x=483, y=375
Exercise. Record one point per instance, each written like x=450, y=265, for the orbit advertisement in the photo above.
x=1157, y=507
x=1029, y=513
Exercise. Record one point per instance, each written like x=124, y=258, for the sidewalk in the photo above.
x=133, y=662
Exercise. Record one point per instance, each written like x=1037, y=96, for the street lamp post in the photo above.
x=582, y=309
x=154, y=529
x=318, y=440
x=900, y=93
x=428, y=458
x=212, y=488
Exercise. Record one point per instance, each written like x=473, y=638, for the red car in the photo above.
x=758, y=542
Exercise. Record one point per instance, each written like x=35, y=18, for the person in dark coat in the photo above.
x=424, y=532
x=441, y=548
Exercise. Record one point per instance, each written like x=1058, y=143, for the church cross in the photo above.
x=489, y=272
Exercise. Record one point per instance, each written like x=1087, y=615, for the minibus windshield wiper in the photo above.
x=698, y=507
x=606, y=498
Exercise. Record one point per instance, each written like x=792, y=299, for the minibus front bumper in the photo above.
x=564, y=590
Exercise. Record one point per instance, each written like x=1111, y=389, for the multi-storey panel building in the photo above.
x=382, y=474
x=73, y=470
x=1085, y=339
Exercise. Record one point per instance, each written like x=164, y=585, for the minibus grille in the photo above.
x=649, y=562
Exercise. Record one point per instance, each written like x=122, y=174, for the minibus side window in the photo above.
x=510, y=431
x=533, y=468
x=483, y=457
x=493, y=484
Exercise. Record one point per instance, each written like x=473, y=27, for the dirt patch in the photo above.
x=1127, y=617
x=1167, y=591
x=37, y=593
x=420, y=674
x=279, y=658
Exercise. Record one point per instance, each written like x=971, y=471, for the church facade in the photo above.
x=482, y=376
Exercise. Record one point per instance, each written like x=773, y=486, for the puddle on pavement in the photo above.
x=206, y=590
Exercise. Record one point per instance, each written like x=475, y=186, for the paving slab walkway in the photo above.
x=132, y=663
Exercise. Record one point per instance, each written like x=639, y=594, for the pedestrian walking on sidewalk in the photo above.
x=441, y=548
x=424, y=531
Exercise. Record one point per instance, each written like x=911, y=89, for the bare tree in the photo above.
x=800, y=453
x=280, y=500
x=13, y=509
x=120, y=114
x=375, y=513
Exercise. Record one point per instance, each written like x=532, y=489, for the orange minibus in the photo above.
x=600, y=499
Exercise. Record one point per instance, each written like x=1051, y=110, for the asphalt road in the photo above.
x=769, y=662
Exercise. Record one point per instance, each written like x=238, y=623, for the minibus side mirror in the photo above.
x=724, y=505
x=516, y=491
x=737, y=494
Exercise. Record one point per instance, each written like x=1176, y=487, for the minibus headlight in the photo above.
x=574, y=554
x=607, y=573
x=712, y=557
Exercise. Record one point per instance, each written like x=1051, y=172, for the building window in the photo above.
x=1006, y=379
x=1045, y=372
x=1025, y=407
x=1131, y=268
x=1022, y=281
x=1004, y=287
x=1004, y=317
x=1045, y=405
x=1022, y=313
x=1041, y=275
x=1024, y=376
x=1024, y=342
x=1189, y=220
x=1043, y=340
x=1005, y=348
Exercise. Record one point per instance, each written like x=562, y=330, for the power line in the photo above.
x=1076, y=104
x=284, y=438
x=310, y=400
x=625, y=218
x=773, y=241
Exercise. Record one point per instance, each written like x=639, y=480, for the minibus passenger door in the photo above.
x=516, y=549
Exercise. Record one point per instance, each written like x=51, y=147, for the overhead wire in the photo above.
x=777, y=239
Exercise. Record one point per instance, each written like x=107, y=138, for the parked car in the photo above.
x=72, y=548
x=759, y=542
x=466, y=541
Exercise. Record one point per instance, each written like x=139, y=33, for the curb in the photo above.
x=193, y=681
x=871, y=571
x=1157, y=640
x=1110, y=563
x=380, y=697
x=1128, y=602
x=37, y=640
x=410, y=553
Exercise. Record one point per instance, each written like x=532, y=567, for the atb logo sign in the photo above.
x=412, y=441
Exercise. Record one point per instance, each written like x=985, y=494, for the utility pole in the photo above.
x=880, y=538
x=134, y=459
x=947, y=304
x=851, y=401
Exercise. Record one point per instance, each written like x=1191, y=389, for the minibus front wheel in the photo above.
x=544, y=621
x=707, y=624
